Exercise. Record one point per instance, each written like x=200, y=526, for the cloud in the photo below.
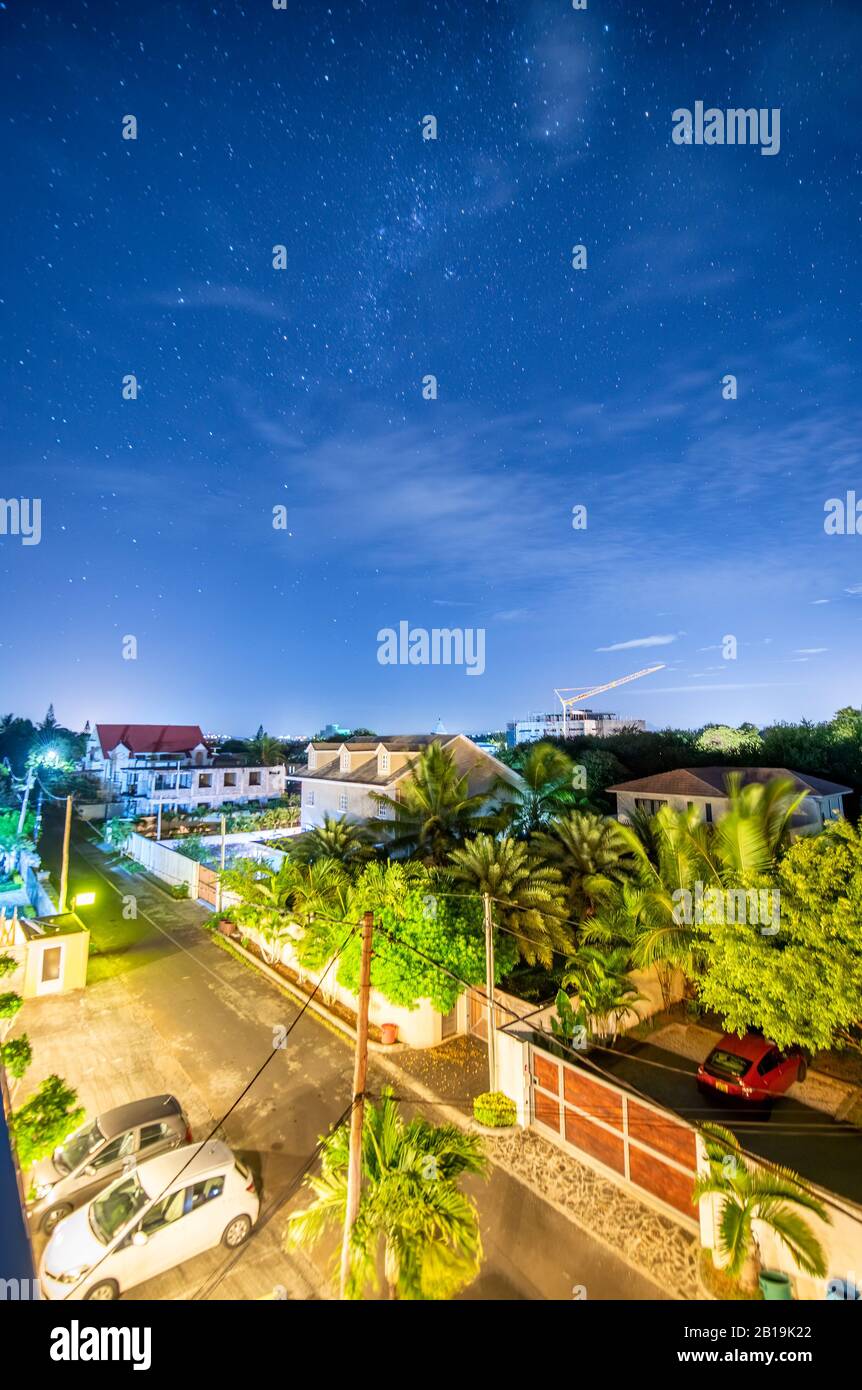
x=658, y=640
x=809, y=651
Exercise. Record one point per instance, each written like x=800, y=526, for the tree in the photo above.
x=433, y=812
x=545, y=791
x=528, y=895
x=427, y=943
x=411, y=1207
x=590, y=854
x=263, y=750
x=44, y=1120
x=16, y=1056
x=336, y=838
x=803, y=985
x=312, y=897
x=606, y=994
x=721, y=738
x=748, y=1194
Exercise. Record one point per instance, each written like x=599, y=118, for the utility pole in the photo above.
x=219, y=888
x=489, y=989
x=28, y=787
x=360, y=1069
x=64, y=871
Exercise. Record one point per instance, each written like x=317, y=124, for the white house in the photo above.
x=578, y=723
x=341, y=778
x=143, y=766
x=706, y=788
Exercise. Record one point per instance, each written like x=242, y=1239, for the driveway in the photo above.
x=167, y=1009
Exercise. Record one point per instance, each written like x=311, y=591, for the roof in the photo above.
x=484, y=768
x=137, y=1112
x=149, y=738
x=192, y=1160
x=712, y=781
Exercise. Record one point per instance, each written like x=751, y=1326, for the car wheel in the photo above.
x=802, y=1069
x=106, y=1292
x=237, y=1232
x=56, y=1214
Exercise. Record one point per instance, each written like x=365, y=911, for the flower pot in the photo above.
x=227, y=928
x=389, y=1033
x=775, y=1286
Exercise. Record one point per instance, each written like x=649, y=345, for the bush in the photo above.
x=9, y=1005
x=495, y=1110
x=178, y=890
x=45, y=1120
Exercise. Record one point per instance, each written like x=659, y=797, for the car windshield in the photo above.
x=78, y=1147
x=728, y=1062
x=116, y=1207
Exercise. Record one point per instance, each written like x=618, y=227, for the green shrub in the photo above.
x=494, y=1109
x=178, y=890
x=45, y=1120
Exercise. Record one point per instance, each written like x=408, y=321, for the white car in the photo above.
x=167, y=1210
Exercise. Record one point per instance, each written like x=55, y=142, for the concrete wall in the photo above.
x=167, y=864
x=419, y=1027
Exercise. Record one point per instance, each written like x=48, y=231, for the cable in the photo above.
x=212, y=1281
x=218, y=1124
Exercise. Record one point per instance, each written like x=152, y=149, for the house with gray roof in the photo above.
x=706, y=788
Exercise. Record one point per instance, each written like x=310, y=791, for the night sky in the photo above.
x=302, y=387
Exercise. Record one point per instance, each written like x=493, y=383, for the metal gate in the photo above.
x=634, y=1142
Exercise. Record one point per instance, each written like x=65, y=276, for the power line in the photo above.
x=219, y=1123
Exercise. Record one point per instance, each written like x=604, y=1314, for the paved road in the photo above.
x=823, y=1150
x=166, y=1008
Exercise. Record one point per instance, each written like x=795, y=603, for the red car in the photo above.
x=750, y=1068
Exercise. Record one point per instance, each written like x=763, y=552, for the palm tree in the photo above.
x=546, y=789
x=590, y=853
x=411, y=1205
x=310, y=897
x=263, y=750
x=336, y=838
x=434, y=811
x=527, y=895
x=749, y=1194
x=601, y=981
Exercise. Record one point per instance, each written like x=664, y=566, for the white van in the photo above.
x=167, y=1210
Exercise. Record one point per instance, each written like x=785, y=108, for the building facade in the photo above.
x=342, y=778
x=140, y=767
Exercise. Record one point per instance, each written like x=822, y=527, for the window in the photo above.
x=708, y=809
x=769, y=1062
x=164, y=1213
x=254, y=779
x=383, y=811
x=51, y=962
x=312, y=759
x=309, y=797
x=203, y=1192
x=116, y=1151
x=345, y=760
x=230, y=779
x=205, y=779
x=649, y=804
x=186, y=779
x=384, y=762
x=152, y=1134
x=342, y=801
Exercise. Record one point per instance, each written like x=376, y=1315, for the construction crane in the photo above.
x=566, y=699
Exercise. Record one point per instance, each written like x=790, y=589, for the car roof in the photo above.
x=751, y=1046
x=192, y=1161
x=137, y=1112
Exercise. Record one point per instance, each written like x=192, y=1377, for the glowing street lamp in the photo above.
x=83, y=900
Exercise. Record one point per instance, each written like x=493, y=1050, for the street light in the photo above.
x=83, y=900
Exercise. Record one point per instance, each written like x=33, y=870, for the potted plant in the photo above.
x=494, y=1112
x=389, y=1033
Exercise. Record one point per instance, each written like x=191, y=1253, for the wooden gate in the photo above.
x=208, y=885
x=633, y=1141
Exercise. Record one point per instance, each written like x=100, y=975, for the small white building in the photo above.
x=341, y=778
x=144, y=766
